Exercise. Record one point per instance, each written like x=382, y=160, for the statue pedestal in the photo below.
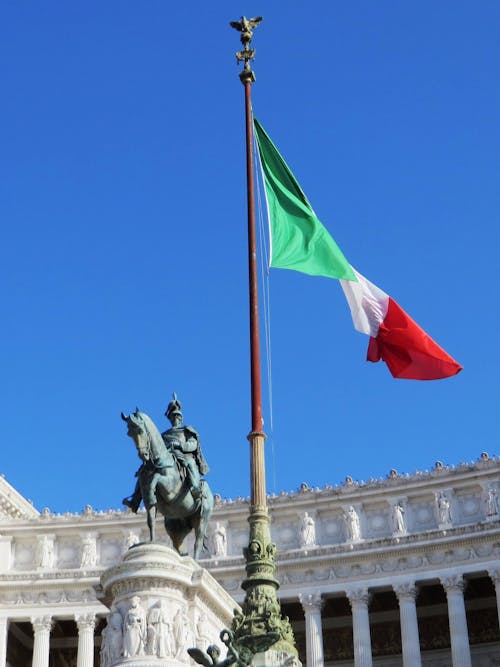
x=275, y=659
x=160, y=605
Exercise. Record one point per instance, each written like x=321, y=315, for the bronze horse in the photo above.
x=163, y=486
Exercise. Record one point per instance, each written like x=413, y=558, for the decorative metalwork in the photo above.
x=245, y=27
x=238, y=656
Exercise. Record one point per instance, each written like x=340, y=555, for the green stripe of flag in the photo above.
x=299, y=240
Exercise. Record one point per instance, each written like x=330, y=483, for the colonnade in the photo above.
x=406, y=593
x=312, y=603
x=42, y=626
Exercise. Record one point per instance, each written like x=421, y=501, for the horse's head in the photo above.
x=147, y=438
x=137, y=429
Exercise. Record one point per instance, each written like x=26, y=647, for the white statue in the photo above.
x=134, y=629
x=89, y=552
x=182, y=633
x=112, y=640
x=158, y=632
x=307, y=531
x=131, y=539
x=202, y=632
x=492, y=502
x=353, y=526
x=153, y=631
x=398, y=518
x=443, y=508
x=219, y=540
x=44, y=552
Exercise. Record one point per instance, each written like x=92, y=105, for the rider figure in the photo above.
x=184, y=442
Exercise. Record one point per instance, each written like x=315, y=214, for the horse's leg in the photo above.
x=200, y=520
x=177, y=530
x=151, y=516
x=198, y=537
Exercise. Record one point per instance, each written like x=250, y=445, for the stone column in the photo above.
x=85, y=624
x=407, y=594
x=358, y=599
x=495, y=577
x=459, y=634
x=312, y=604
x=4, y=627
x=41, y=645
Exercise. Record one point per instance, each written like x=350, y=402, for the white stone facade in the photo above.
x=418, y=585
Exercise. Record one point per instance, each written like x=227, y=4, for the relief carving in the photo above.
x=134, y=629
x=112, y=639
x=159, y=632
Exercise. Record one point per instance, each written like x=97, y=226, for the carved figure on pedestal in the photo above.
x=89, y=552
x=443, y=509
x=353, y=526
x=134, y=629
x=44, y=552
x=182, y=632
x=112, y=639
x=398, y=518
x=202, y=631
x=158, y=634
x=492, y=502
x=219, y=540
x=307, y=531
x=169, y=477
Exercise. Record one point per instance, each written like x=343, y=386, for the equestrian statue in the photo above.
x=170, y=477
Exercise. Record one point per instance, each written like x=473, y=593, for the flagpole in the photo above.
x=256, y=437
x=261, y=625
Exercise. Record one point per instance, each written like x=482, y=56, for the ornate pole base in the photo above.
x=261, y=626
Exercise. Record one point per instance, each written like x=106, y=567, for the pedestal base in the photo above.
x=160, y=604
x=275, y=659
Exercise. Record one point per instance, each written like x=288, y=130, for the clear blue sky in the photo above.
x=122, y=203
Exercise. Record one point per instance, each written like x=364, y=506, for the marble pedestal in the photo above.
x=273, y=658
x=160, y=605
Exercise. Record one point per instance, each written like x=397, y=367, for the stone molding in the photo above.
x=13, y=505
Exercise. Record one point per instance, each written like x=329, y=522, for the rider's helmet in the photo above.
x=173, y=408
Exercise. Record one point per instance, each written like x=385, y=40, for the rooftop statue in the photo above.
x=170, y=477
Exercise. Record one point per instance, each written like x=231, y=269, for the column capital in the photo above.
x=494, y=576
x=85, y=621
x=311, y=602
x=406, y=590
x=41, y=623
x=454, y=584
x=359, y=596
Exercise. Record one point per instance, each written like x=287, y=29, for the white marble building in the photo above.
x=403, y=571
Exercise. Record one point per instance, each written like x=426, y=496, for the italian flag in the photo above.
x=299, y=241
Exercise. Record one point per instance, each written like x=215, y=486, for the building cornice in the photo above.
x=13, y=505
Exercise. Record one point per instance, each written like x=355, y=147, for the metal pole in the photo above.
x=261, y=625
